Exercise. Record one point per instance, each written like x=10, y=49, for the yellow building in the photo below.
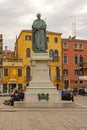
x=17, y=72
x=12, y=74
x=23, y=50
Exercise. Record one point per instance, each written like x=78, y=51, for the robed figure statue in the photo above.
x=39, y=40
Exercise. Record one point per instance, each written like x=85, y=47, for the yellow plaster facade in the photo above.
x=10, y=75
x=23, y=46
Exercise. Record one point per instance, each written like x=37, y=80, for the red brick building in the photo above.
x=8, y=54
x=74, y=54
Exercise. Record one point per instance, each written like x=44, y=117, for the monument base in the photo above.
x=32, y=95
x=41, y=87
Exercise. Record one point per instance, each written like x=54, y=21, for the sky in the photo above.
x=68, y=17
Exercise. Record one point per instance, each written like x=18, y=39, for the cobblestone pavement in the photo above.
x=46, y=119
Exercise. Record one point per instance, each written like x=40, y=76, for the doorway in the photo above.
x=11, y=86
x=66, y=84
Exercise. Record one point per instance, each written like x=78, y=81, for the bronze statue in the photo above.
x=39, y=40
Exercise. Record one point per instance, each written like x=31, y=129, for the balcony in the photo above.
x=13, y=62
x=83, y=65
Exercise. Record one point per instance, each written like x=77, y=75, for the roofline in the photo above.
x=72, y=40
x=31, y=32
x=46, y=31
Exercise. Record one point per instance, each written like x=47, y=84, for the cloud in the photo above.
x=59, y=15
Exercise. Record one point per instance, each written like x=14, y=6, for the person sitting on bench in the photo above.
x=67, y=95
x=17, y=95
x=21, y=94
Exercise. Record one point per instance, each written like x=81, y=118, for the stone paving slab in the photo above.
x=15, y=118
x=44, y=120
x=39, y=106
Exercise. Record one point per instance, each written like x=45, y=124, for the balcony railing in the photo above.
x=12, y=60
x=83, y=65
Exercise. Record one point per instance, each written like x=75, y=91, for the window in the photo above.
x=58, y=73
x=81, y=60
x=65, y=60
x=81, y=72
x=55, y=40
x=0, y=75
x=4, y=88
x=65, y=72
x=65, y=45
x=51, y=53
x=28, y=38
x=47, y=39
x=0, y=61
x=76, y=82
x=28, y=73
x=76, y=59
x=20, y=86
x=80, y=46
x=76, y=72
x=19, y=72
x=5, y=72
x=56, y=55
x=81, y=81
x=28, y=52
x=75, y=46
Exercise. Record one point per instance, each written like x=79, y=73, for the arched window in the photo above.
x=28, y=73
x=57, y=73
x=76, y=59
x=28, y=52
x=56, y=55
x=81, y=60
x=51, y=53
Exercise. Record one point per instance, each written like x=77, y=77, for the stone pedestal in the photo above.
x=41, y=83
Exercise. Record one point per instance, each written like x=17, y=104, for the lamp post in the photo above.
x=1, y=61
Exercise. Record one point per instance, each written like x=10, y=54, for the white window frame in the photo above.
x=75, y=46
x=65, y=45
x=76, y=72
x=67, y=59
x=81, y=46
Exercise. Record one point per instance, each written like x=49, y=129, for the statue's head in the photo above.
x=38, y=15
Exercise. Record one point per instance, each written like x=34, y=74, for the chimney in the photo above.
x=70, y=38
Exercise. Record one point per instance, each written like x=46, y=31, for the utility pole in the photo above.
x=73, y=26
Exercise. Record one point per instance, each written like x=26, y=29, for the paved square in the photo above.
x=45, y=119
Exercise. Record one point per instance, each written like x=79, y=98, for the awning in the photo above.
x=83, y=77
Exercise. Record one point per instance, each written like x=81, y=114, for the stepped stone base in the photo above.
x=44, y=105
x=41, y=84
x=32, y=94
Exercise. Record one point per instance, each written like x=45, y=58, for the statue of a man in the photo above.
x=39, y=40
